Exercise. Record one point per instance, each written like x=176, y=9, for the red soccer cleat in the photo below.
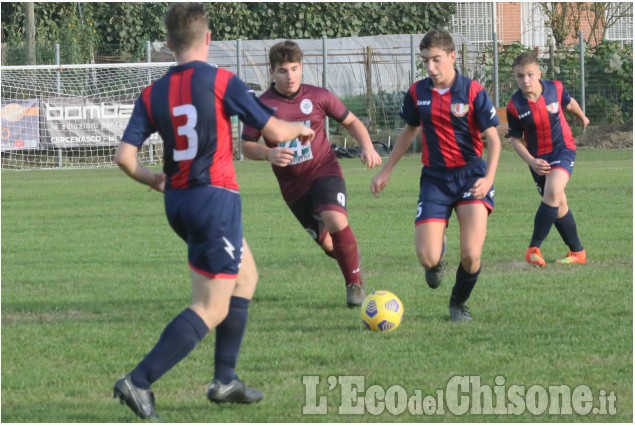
x=533, y=256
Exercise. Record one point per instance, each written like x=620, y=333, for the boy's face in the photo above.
x=440, y=66
x=528, y=78
x=288, y=77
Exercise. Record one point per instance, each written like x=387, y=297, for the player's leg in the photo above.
x=567, y=228
x=430, y=245
x=210, y=298
x=225, y=385
x=552, y=195
x=434, y=209
x=346, y=253
x=472, y=219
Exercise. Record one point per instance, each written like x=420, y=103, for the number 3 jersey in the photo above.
x=310, y=105
x=191, y=108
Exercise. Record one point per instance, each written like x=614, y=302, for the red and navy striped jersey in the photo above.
x=451, y=123
x=542, y=123
x=310, y=105
x=191, y=108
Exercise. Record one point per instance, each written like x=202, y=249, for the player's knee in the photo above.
x=471, y=262
x=426, y=260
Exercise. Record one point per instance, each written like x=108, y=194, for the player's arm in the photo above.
x=575, y=109
x=126, y=159
x=278, y=156
x=380, y=180
x=358, y=131
x=540, y=166
x=279, y=131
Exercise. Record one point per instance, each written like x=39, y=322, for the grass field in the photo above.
x=91, y=273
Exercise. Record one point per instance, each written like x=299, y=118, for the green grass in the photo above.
x=91, y=273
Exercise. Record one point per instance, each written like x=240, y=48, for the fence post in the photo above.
x=464, y=58
x=324, y=81
x=149, y=60
x=552, y=62
x=495, y=48
x=369, y=91
x=413, y=68
x=582, y=89
x=239, y=68
x=58, y=91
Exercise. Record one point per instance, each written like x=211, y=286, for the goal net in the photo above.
x=71, y=116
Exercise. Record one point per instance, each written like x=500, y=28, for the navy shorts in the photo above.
x=563, y=159
x=325, y=194
x=442, y=190
x=208, y=219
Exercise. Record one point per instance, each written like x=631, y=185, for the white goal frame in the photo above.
x=71, y=116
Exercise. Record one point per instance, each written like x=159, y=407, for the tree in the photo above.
x=604, y=15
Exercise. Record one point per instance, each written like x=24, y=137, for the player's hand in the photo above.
x=584, y=122
x=306, y=135
x=481, y=187
x=540, y=166
x=159, y=182
x=370, y=158
x=280, y=157
x=379, y=182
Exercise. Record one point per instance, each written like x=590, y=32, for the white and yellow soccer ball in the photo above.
x=382, y=311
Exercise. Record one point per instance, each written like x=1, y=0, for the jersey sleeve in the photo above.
x=250, y=134
x=140, y=125
x=514, y=123
x=334, y=107
x=484, y=111
x=566, y=97
x=409, y=111
x=242, y=101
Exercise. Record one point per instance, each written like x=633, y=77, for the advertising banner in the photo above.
x=19, y=120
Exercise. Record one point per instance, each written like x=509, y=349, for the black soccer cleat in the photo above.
x=459, y=312
x=435, y=274
x=355, y=295
x=139, y=400
x=234, y=392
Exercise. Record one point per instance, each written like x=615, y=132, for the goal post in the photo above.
x=71, y=116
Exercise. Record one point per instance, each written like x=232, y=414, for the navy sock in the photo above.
x=464, y=284
x=569, y=232
x=178, y=339
x=545, y=217
x=229, y=336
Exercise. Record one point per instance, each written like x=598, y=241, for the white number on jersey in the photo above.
x=188, y=130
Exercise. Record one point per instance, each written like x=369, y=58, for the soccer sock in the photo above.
x=178, y=339
x=569, y=232
x=347, y=255
x=545, y=217
x=229, y=336
x=464, y=284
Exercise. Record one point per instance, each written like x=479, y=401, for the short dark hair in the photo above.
x=285, y=52
x=184, y=23
x=438, y=38
x=526, y=58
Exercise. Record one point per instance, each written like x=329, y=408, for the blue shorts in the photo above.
x=442, y=190
x=563, y=159
x=325, y=194
x=208, y=219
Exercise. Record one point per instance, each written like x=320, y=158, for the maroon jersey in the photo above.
x=310, y=106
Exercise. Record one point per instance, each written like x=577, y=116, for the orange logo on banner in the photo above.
x=14, y=112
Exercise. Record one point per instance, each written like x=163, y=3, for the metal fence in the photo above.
x=370, y=75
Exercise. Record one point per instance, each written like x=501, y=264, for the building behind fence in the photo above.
x=71, y=116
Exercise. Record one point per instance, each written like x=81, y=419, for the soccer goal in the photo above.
x=71, y=116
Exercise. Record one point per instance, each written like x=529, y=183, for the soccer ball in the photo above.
x=382, y=311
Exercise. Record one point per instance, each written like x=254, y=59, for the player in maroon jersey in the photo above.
x=309, y=176
x=191, y=108
x=542, y=137
x=452, y=111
